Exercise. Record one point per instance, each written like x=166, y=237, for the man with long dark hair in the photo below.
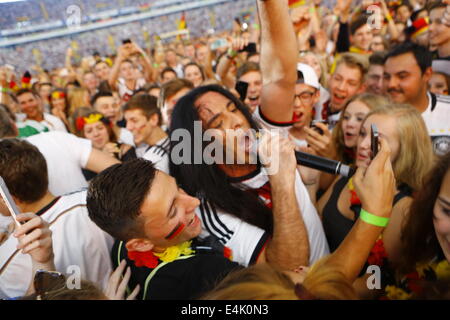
x=260, y=216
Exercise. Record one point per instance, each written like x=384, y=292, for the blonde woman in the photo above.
x=411, y=156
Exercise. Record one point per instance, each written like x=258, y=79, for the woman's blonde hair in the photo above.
x=415, y=156
x=264, y=282
x=77, y=99
x=371, y=101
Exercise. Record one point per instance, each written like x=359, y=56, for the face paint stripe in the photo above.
x=176, y=232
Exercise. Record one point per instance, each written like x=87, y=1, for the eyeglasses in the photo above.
x=48, y=281
x=305, y=97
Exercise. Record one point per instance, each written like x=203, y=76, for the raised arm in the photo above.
x=278, y=60
x=375, y=188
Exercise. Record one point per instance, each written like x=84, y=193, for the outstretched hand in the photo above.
x=117, y=284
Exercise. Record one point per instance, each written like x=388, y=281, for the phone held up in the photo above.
x=315, y=127
x=374, y=140
x=7, y=198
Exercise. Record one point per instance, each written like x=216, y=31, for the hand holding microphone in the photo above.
x=271, y=152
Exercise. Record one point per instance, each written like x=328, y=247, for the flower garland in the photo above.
x=410, y=284
x=151, y=259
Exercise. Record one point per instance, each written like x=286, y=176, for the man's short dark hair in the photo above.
x=360, y=21
x=26, y=90
x=115, y=197
x=246, y=68
x=423, y=57
x=146, y=103
x=377, y=58
x=99, y=95
x=24, y=170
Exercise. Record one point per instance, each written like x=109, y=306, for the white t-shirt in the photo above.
x=437, y=119
x=53, y=123
x=78, y=244
x=245, y=240
x=66, y=155
x=125, y=93
x=158, y=154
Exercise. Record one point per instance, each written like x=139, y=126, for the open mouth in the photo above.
x=193, y=220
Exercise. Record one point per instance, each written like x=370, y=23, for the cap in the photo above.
x=307, y=75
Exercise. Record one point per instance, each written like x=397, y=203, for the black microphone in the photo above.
x=323, y=164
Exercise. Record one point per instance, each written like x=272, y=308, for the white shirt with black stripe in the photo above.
x=77, y=243
x=437, y=120
x=247, y=241
x=158, y=154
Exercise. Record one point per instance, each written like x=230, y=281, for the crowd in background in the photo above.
x=88, y=146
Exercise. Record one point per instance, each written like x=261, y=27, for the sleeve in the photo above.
x=59, y=125
x=245, y=240
x=79, y=148
x=343, y=39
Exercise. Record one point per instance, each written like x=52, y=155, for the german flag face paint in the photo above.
x=175, y=231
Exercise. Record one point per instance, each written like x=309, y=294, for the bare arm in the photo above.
x=114, y=75
x=146, y=63
x=278, y=60
x=289, y=245
x=376, y=189
x=99, y=161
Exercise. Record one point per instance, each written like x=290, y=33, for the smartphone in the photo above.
x=316, y=128
x=374, y=140
x=250, y=48
x=10, y=204
x=242, y=87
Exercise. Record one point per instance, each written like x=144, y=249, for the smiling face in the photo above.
x=59, y=103
x=387, y=129
x=439, y=31
x=403, y=79
x=30, y=105
x=229, y=123
x=362, y=38
x=97, y=133
x=139, y=125
x=441, y=219
x=254, y=80
x=352, y=119
x=169, y=213
x=193, y=74
x=345, y=82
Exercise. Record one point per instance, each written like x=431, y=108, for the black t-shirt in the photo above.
x=182, y=279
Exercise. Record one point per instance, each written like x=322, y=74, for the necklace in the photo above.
x=151, y=259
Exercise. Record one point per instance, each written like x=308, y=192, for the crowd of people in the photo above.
x=117, y=163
